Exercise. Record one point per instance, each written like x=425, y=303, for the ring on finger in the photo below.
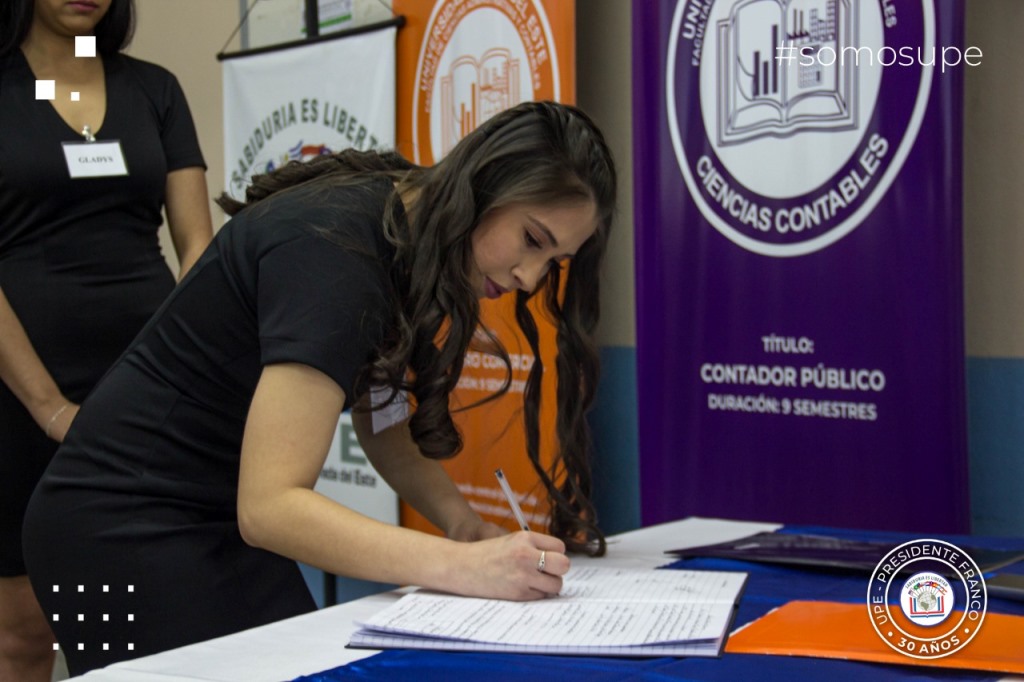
x=542, y=561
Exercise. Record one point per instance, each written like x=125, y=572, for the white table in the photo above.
x=316, y=641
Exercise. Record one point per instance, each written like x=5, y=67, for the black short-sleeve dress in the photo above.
x=143, y=491
x=80, y=259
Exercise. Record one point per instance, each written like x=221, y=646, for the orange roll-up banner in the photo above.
x=459, y=63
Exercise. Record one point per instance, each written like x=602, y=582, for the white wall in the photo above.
x=185, y=37
x=604, y=90
x=994, y=181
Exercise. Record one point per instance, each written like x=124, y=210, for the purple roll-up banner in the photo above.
x=800, y=349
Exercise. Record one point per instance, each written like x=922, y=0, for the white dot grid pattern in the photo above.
x=85, y=46
x=46, y=90
x=106, y=617
x=75, y=96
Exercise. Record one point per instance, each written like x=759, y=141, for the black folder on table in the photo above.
x=825, y=551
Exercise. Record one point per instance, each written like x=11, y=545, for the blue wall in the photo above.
x=995, y=440
x=613, y=422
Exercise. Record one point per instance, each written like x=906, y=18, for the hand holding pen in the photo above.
x=516, y=511
x=542, y=561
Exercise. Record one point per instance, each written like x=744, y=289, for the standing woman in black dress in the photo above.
x=80, y=263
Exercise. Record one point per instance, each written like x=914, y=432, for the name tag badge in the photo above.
x=95, y=159
x=386, y=417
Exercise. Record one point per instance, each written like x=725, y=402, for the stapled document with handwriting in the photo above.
x=600, y=612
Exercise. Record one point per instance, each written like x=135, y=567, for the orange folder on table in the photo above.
x=832, y=630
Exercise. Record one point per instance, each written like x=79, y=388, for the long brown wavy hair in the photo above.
x=541, y=153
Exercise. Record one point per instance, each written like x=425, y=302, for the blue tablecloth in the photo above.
x=768, y=586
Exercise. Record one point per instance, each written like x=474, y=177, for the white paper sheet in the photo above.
x=600, y=611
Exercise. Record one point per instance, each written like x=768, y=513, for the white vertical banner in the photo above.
x=294, y=104
x=303, y=101
x=349, y=479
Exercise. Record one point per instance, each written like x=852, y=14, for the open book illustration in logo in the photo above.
x=927, y=599
x=782, y=68
x=474, y=90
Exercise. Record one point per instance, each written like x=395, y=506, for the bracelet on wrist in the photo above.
x=59, y=412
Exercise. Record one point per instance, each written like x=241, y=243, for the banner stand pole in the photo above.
x=312, y=18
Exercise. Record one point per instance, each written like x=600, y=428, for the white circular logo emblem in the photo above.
x=789, y=124
x=927, y=599
x=479, y=57
x=913, y=593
